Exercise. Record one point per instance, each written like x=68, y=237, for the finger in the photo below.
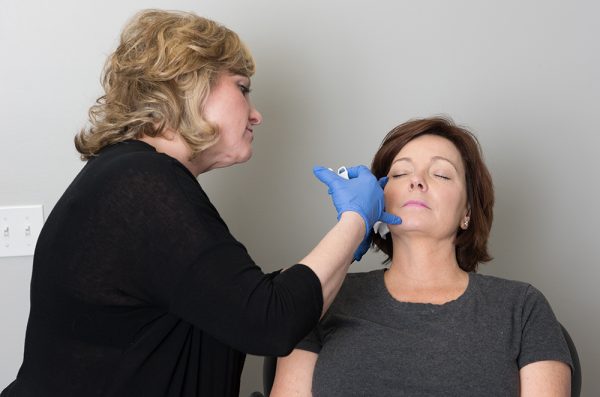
x=383, y=181
x=325, y=175
x=363, y=247
x=355, y=171
x=390, y=219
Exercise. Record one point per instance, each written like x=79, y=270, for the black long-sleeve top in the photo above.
x=139, y=289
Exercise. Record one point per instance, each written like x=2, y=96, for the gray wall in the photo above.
x=333, y=77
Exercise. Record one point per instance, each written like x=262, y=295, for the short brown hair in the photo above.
x=160, y=76
x=471, y=244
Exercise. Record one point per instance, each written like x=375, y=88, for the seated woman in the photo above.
x=429, y=325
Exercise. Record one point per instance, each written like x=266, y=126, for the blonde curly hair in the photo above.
x=160, y=76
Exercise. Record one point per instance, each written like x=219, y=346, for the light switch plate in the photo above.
x=19, y=229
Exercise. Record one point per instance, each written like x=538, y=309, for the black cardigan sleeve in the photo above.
x=185, y=259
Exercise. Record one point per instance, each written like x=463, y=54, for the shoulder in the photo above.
x=134, y=166
x=526, y=310
x=136, y=157
x=135, y=175
x=505, y=292
x=357, y=300
x=493, y=283
x=358, y=290
x=362, y=282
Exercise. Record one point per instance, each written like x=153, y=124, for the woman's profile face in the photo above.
x=427, y=188
x=228, y=106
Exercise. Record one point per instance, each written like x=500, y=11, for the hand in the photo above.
x=363, y=247
x=362, y=193
x=368, y=240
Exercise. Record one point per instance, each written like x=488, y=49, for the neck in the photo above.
x=425, y=262
x=174, y=146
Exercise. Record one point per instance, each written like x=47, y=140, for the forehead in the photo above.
x=229, y=76
x=426, y=147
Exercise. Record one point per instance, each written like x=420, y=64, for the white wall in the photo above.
x=333, y=77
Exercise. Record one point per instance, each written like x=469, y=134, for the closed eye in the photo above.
x=442, y=176
x=398, y=175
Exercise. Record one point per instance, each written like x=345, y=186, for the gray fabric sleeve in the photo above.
x=542, y=338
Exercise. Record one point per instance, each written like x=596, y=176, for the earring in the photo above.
x=466, y=224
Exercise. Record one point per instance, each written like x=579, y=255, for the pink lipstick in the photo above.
x=415, y=203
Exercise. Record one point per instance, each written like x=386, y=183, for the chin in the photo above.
x=244, y=158
x=407, y=226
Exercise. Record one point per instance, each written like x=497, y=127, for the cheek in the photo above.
x=460, y=203
x=391, y=197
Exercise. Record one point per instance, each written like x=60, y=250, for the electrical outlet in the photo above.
x=19, y=229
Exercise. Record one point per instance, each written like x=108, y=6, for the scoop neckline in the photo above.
x=422, y=306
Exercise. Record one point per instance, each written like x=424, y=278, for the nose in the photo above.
x=418, y=183
x=255, y=116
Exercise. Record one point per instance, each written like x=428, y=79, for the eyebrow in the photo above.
x=434, y=158
x=243, y=76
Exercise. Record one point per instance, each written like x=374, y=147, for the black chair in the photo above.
x=576, y=376
x=270, y=363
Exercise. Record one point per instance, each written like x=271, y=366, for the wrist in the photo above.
x=354, y=218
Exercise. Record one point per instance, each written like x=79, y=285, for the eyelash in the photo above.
x=245, y=90
x=439, y=176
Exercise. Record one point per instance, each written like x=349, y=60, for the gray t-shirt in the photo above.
x=370, y=344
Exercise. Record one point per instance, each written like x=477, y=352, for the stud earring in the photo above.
x=466, y=223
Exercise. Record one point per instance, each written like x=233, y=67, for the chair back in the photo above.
x=576, y=376
x=269, y=365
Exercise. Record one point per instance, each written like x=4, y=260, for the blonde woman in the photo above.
x=138, y=288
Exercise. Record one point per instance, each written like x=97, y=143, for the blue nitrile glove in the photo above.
x=363, y=247
x=362, y=193
x=366, y=243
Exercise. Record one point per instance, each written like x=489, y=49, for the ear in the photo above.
x=464, y=223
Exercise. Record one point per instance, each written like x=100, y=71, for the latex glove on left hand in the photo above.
x=361, y=193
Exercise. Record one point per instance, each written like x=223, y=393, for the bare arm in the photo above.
x=546, y=378
x=294, y=374
x=332, y=257
x=359, y=201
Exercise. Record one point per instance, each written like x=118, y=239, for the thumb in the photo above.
x=355, y=171
x=390, y=219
